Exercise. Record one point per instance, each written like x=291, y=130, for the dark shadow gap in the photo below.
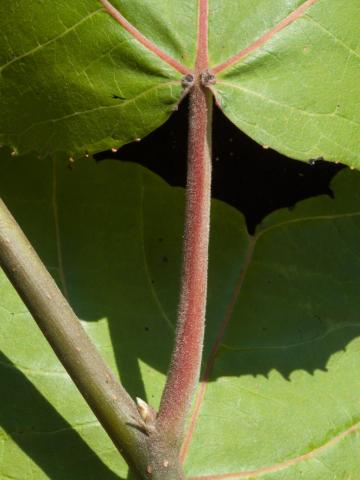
x=252, y=179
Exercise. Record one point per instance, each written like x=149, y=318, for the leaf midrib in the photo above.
x=202, y=57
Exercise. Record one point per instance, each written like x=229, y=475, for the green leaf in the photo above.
x=74, y=79
x=297, y=92
x=281, y=398
x=281, y=385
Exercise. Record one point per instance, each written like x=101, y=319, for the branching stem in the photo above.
x=153, y=451
x=107, y=398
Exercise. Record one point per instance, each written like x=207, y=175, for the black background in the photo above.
x=252, y=179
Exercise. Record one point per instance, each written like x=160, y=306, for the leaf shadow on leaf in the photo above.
x=42, y=433
x=117, y=276
x=287, y=316
x=310, y=357
x=298, y=300
x=119, y=233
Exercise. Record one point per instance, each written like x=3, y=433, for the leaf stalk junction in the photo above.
x=149, y=441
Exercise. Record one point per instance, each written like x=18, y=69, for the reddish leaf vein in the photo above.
x=202, y=56
x=264, y=38
x=152, y=47
x=287, y=463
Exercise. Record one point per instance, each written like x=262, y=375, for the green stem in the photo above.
x=110, y=402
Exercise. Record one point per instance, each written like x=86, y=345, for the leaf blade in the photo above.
x=85, y=64
x=297, y=91
x=280, y=383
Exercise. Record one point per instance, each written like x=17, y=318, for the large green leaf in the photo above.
x=299, y=91
x=73, y=79
x=282, y=385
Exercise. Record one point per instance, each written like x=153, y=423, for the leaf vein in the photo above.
x=337, y=39
x=292, y=345
x=33, y=371
x=286, y=464
x=101, y=107
x=307, y=219
x=284, y=105
x=49, y=42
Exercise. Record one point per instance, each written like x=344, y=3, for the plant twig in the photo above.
x=110, y=402
x=186, y=359
x=185, y=363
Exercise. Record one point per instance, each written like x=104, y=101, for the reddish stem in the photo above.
x=185, y=365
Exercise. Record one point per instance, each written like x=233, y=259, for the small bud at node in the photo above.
x=143, y=409
x=207, y=78
x=188, y=81
x=148, y=416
